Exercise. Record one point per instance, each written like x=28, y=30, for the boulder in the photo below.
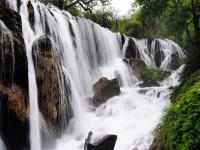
x=106, y=143
x=105, y=89
x=48, y=77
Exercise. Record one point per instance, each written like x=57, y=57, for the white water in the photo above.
x=34, y=114
x=94, y=52
x=167, y=47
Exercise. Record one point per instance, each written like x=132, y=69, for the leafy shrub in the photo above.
x=153, y=75
x=182, y=121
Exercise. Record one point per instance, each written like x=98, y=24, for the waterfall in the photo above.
x=84, y=52
x=155, y=53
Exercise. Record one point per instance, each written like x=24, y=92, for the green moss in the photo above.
x=182, y=121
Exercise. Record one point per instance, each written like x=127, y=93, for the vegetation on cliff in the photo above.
x=181, y=124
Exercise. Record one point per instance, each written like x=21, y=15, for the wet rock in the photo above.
x=132, y=50
x=175, y=61
x=48, y=76
x=107, y=143
x=31, y=14
x=14, y=116
x=159, y=56
x=18, y=5
x=158, y=142
x=12, y=20
x=105, y=89
x=138, y=68
x=13, y=83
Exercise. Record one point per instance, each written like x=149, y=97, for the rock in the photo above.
x=132, y=50
x=18, y=5
x=175, y=61
x=13, y=22
x=14, y=116
x=138, y=68
x=13, y=82
x=107, y=143
x=159, y=56
x=105, y=89
x=158, y=142
x=31, y=16
x=48, y=76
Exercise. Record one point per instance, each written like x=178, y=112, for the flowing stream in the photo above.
x=88, y=52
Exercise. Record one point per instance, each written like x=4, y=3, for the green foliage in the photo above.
x=152, y=75
x=102, y=17
x=182, y=121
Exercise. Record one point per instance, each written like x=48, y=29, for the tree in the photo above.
x=84, y=4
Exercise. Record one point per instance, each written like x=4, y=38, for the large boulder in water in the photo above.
x=106, y=143
x=49, y=82
x=14, y=124
x=105, y=89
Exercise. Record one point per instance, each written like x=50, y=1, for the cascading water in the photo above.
x=87, y=52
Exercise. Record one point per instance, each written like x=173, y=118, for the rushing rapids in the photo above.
x=83, y=53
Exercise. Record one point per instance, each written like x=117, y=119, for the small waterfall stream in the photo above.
x=87, y=52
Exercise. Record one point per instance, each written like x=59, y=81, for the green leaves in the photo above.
x=182, y=120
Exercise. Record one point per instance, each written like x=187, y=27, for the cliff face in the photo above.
x=13, y=81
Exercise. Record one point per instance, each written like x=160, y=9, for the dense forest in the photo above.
x=133, y=80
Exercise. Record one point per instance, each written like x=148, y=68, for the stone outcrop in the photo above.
x=106, y=143
x=158, y=142
x=176, y=61
x=132, y=50
x=138, y=68
x=48, y=76
x=105, y=89
x=14, y=116
x=13, y=83
x=31, y=14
